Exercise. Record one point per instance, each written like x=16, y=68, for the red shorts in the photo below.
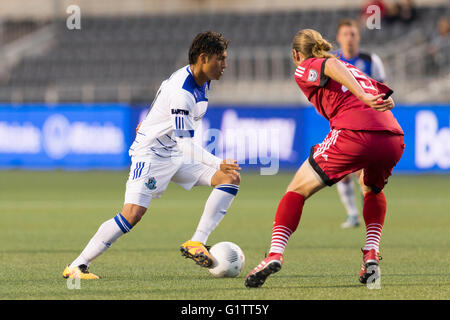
x=345, y=151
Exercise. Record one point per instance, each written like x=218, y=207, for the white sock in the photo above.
x=373, y=235
x=280, y=238
x=216, y=207
x=347, y=193
x=106, y=235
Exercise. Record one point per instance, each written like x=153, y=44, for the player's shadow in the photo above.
x=340, y=277
x=297, y=287
x=331, y=279
x=418, y=275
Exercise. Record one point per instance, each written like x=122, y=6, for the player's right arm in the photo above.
x=337, y=71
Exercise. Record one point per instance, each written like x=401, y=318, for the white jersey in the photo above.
x=177, y=110
x=369, y=63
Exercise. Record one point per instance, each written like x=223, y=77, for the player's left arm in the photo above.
x=337, y=71
x=181, y=108
x=198, y=153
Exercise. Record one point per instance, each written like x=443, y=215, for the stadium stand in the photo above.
x=125, y=58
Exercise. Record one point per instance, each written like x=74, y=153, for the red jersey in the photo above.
x=337, y=104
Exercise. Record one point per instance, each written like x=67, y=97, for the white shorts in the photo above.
x=150, y=176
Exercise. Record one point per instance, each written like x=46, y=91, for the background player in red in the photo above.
x=348, y=37
x=364, y=135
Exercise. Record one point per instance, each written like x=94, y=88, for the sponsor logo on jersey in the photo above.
x=151, y=183
x=313, y=75
x=180, y=111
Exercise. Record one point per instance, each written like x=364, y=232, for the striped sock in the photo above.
x=374, y=213
x=280, y=238
x=373, y=236
x=286, y=221
x=123, y=224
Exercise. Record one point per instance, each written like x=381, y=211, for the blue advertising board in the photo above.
x=72, y=136
x=80, y=136
x=427, y=138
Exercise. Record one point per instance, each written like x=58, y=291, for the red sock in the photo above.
x=286, y=220
x=374, y=212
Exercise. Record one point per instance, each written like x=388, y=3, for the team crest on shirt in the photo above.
x=151, y=183
x=313, y=75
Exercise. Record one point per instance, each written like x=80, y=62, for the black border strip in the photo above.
x=319, y=171
x=323, y=78
x=227, y=309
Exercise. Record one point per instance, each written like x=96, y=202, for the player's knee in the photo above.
x=364, y=188
x=133, y=213
x=305, y=192
x=236, y=180
x=305, y=183
x=227, y=179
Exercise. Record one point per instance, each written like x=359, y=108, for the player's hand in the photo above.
x=230, y=166
x=384, y=105
x=138, y=126
x=376, y=102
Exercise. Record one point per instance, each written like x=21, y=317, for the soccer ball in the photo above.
x=228, y=260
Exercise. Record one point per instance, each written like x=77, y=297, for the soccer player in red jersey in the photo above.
x=348, y=38
x=364, y=135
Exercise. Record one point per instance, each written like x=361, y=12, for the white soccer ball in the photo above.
x=228, y=260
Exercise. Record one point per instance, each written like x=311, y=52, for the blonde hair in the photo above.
x=311, y=44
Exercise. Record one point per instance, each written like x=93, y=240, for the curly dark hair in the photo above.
x=208, y=42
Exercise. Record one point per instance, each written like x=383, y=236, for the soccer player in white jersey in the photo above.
x=348, y=37
x=164, y=151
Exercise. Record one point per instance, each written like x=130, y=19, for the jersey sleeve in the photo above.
x=311, y=74
x=382, y=88
x=181, y=107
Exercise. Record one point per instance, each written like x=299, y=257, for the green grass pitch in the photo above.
x=48, y=217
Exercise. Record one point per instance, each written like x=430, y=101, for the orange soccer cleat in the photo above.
x=198, y=252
